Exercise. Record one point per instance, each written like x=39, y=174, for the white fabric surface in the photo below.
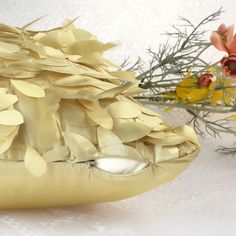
x=202, y=201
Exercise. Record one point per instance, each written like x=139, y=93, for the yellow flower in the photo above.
x=188, y=90
x=224, y=95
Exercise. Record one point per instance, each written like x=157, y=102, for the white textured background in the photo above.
x=200, y=202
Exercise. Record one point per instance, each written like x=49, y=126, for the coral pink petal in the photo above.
x=222, y=29
x=232, y=48
x=217, y=42
x=229, y=35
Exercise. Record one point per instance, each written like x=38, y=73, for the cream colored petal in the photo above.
x=76, y=92
x=142, y=108
x=156, y=134
x=122, y=109
x=71, y=70
x=112, y=93
x=150, y=121
x=7, y=100
x=99, y=75
x=24, y=65
x=13, y=56
x=91, y=105
x=187, y=133
x=81, y=147
x=187, y=148
x=85, y=96
x=3, y=91
x=7, y=47
x=131, y=131
x=81, y=35
x=52, y=52
x=109, y=143
x=83, y=80
x=5, y=142
x=73, y=113
x=74, y=119
x=120, y=121
x=57, y=62
x=8, y=28
x=52, y=39
x=88, y=46
x=28, y=89
x=120, y=166
x=95, y=59
x=173, y=140
x=170, y=133
x=34, y=162
x=165, y=153
x=132, y=153
x=11, y=117
x=57, y=154
x=101, y=117
x=6, y=130
x=36, y=48
x=17, y=74
x=161, y=127
x=134, y=90
x=124, y=75
x=139, y=145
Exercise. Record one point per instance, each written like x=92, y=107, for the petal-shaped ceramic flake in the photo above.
x=187, y=133
x=9, y=29
x=3, y=91
x=131, y=131
x=11, y=117
x=112, y=93
x=94, y=58
x=16, y=73
x=100, y=117
x=124, y=75
x=28, y=89
x=57, y=154
x=7, y=47
x=83, y=80
x=134, y=90
x=150, y=121
x=88, y=46
x=6, y=130
x=6, y=141
x=52, y=39
x=122, y=109
x=165, y=153
x=81, y=35
x=34, y=162
x=132, y=153
x=7, y=100
x=81, y=147
x=141, y=107
x=109, y=143
x=174, y=140
x=156, y=134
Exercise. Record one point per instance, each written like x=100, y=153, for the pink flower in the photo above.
x=205, y=80
x=229, y=64
x=224, y=39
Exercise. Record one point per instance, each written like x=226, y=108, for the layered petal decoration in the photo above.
x=70, y=132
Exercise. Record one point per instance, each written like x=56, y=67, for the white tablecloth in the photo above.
x=200, y=202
